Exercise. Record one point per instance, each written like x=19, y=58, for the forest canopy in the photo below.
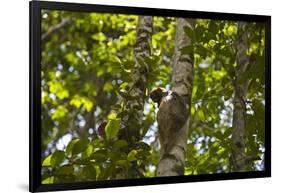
x=99, y=121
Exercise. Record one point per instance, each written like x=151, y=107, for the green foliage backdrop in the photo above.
x=87, y=61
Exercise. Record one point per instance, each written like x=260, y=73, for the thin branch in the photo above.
x=54, y=29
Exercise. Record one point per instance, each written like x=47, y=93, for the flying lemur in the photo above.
x=171, y=117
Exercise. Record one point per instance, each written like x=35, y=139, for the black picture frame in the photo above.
x=35, y=8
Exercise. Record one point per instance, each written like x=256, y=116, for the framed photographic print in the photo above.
x=124, y=96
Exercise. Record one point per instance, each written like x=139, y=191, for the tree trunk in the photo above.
x=138, y=85
x=182, y=78
x=239, y=160
x=132, y=122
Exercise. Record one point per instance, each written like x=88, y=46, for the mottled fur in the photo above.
x=171, y=117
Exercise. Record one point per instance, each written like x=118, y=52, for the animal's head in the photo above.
x=157, y=94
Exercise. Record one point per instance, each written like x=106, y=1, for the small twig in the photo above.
x=54, y=29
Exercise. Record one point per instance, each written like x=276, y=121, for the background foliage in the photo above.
x=87, y=60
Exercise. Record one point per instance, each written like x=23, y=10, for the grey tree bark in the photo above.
x=239, y=159
x=182, y=78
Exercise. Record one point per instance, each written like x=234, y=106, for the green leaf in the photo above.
x=78, y=101
x=66, y=170
x=112, y=128
x=58, y=89
x=212, y=43
x=225, y=81
x=47, y=161
x=119, y=144
x=89, y=172
x=143, y=145
x=87, y=153
x=124, y=85
x=116, y=59
x=201, y=50
x=99, y=36
x=221, y=151
x=107, y=87
x=88, y=105
x=80, y=146
x=114, y=155
x=189, y=32
x=99, y=157
x=258, y=108
x=57, y=158
x=213, y=27
x=49, y=180
x=112, y=116
x=122, y=162
x=187, y=49
x=132, y=155
x=201, y=115
x=231, y=30
x=69, y=147
x=219, y=135
x=59, y=113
